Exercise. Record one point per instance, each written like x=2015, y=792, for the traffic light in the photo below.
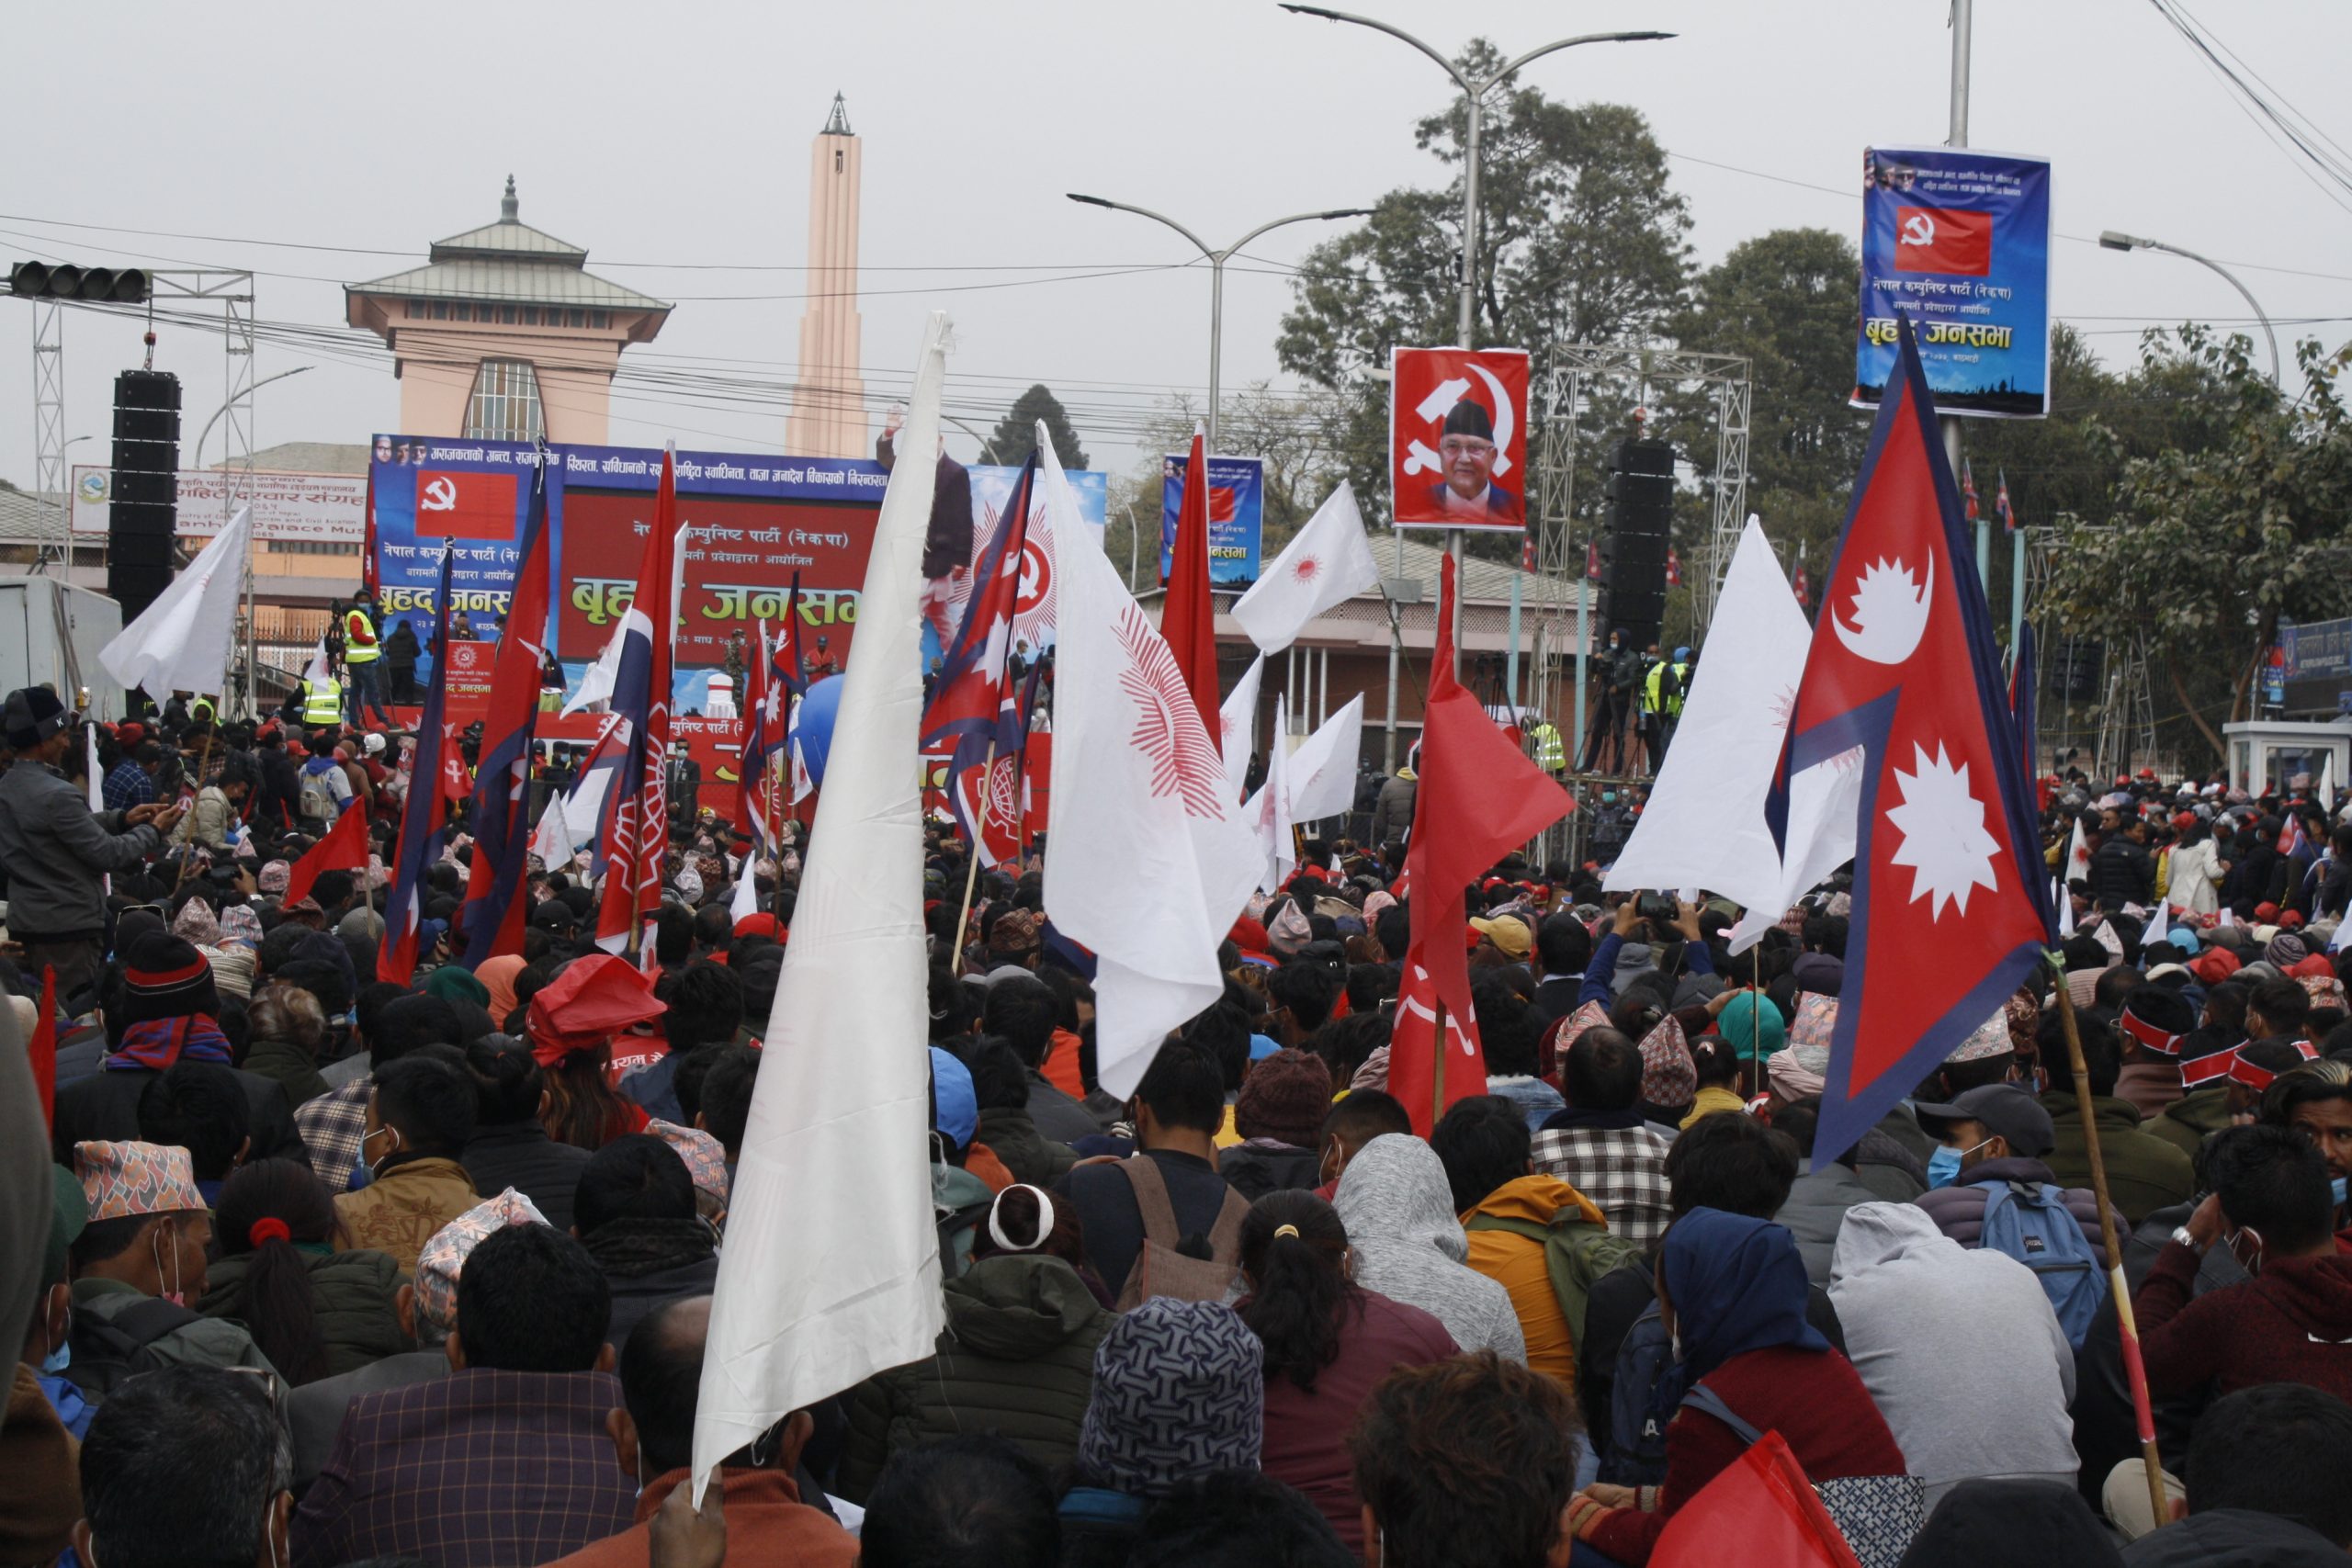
x=64, y=281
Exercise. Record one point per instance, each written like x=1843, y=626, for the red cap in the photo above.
x=757, y=925
x=595, y=999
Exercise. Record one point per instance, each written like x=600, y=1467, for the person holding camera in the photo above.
x=1642, y=924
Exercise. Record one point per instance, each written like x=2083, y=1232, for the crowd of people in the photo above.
x=323, y=1268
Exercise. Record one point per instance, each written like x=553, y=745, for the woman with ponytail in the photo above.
x=1329, y=1344
x=1016, y=1357
x=571, y=1023
x=314, y=1311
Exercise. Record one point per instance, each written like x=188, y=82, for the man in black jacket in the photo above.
x=2122, y=871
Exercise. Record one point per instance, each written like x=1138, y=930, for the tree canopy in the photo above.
x=1015, y=435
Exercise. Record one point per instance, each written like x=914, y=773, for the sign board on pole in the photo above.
x=1457, y=438
x=287, y=507
x=1236, y=515
x=1959, y=242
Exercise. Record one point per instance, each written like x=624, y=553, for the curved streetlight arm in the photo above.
x=1377, y=25
x=2113, y=241
x=1198, y=244
x=257, y=385
x=1332, y=215
x=1532, y=54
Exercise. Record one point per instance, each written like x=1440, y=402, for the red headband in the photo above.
x=2206, y=1069
x=2258, y=1078
x=2148, y=1034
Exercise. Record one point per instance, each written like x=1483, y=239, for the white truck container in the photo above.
x=50, y=632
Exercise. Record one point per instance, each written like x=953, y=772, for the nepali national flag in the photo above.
x=425, y=814
x=789, y=664
x=2001, y=507
x=641, y=695
x=1673, y=567
x=1802, y=588
x=492, y=916
x=1901, y=720
x=1593, y=562
x=764, y=698
x=973, y=702
x=1967, y=491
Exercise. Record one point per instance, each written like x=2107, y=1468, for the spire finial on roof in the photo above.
x=508, y=205
x=839, y=124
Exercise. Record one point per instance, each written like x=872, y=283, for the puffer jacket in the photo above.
x=352, y=1293
x=1398, y=1211
x=208, y=822
x=1015, y=1360
x=1958, y=1210
x=1262, y=1165
x=1392, y=810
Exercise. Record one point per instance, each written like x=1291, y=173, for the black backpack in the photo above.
x=110, y=1351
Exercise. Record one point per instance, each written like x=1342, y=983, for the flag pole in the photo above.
x=2134, y=1369
x=972, y=868
x=1437, y=1074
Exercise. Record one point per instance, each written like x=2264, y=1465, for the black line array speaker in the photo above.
x=1633, y=549
x=142, y=515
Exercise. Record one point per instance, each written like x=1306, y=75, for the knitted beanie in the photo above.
x=166, y=976
x=1285, y=1097
x=1179, y=1391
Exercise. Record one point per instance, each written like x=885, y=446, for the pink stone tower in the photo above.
x=828, y=417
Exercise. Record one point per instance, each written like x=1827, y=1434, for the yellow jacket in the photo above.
x=1517, y=1264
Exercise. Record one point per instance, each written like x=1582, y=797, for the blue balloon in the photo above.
x=817, y=707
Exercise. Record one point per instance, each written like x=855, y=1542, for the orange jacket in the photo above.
x=1515, y=1263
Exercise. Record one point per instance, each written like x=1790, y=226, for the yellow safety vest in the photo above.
x=355, y=650
x=1550, y=755
x=322, y=701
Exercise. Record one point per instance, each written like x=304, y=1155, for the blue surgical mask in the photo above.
x=2335, y=1191
x=57, y=1360
x=1943, y=1166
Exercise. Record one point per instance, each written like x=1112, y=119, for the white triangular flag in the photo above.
x=1326, y=563
x=1323, y=770
x=746, y=901
x=181, y=642
x=1704, y=824
x=321, y=668
x=1138, y=801
x=551, y=839
x=2065, y=909
x=830, y=1271
x=2158, y=926
x=2343, y=931
x=1268, y=811
x=1238, y=729
x=2079, y=854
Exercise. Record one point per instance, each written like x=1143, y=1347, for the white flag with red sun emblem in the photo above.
x=1326, y=563
x=1147, y=859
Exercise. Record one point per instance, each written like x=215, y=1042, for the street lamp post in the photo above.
x=206, y=433
x=252, y=636
x=1217, y=260
x=2113, y=241
x=1475, y=90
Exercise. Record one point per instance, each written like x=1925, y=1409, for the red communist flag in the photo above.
x=1902, y=725
x=344, y=848
x=1479, y=798
x=1188, y=615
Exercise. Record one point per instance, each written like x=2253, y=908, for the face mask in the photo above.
x=57, y=1360
x=2335, y=1191
x=174, y=1295
x=1943, y=1166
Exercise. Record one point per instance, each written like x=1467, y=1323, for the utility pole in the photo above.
x=1961, y=19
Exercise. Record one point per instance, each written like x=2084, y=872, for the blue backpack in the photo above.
x=2030, y=1222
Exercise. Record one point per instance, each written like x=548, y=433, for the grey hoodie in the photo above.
x=1408, y=1246
x=1959, y=1348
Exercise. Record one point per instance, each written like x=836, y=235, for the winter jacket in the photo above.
x=2122, y=873
x=2233, y=1538
x=1960, y=1351
x=520, y=1154
x=1958, y=1210
x=1392, y=813
x=2194, y=878
x=399, y=1210
x=1032, y=1157
x=1517, y=1263
x=2192, y=1119
x=650, y=1262
x=105, y=1105
x=352, y=1293
x=1815, y=1210
x=1398, y=1212
x=1017, y=1360
x=199, y=1341
x=2144, y=1173
x=57, y=852
x=291, y=1065
x=209, y=822
x=1262, y=1165
x=2152, y=1088
x=2291, y=1323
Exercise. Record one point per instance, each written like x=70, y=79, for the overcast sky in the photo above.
x=680, y=135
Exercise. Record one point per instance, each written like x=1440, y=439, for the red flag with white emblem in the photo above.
x=1900, y=719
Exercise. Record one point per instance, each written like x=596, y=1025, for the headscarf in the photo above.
x=595, y=999
x=1738, y=1285
x=1375, y=902
x=1753, y=1026
x=497, y=977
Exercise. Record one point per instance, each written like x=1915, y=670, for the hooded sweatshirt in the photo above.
x=2233, y=1538
x=1959, y=1347
x=1016, y=1358
x=1517, y=1263
x=1398, y=1211
x=2291, y=1323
